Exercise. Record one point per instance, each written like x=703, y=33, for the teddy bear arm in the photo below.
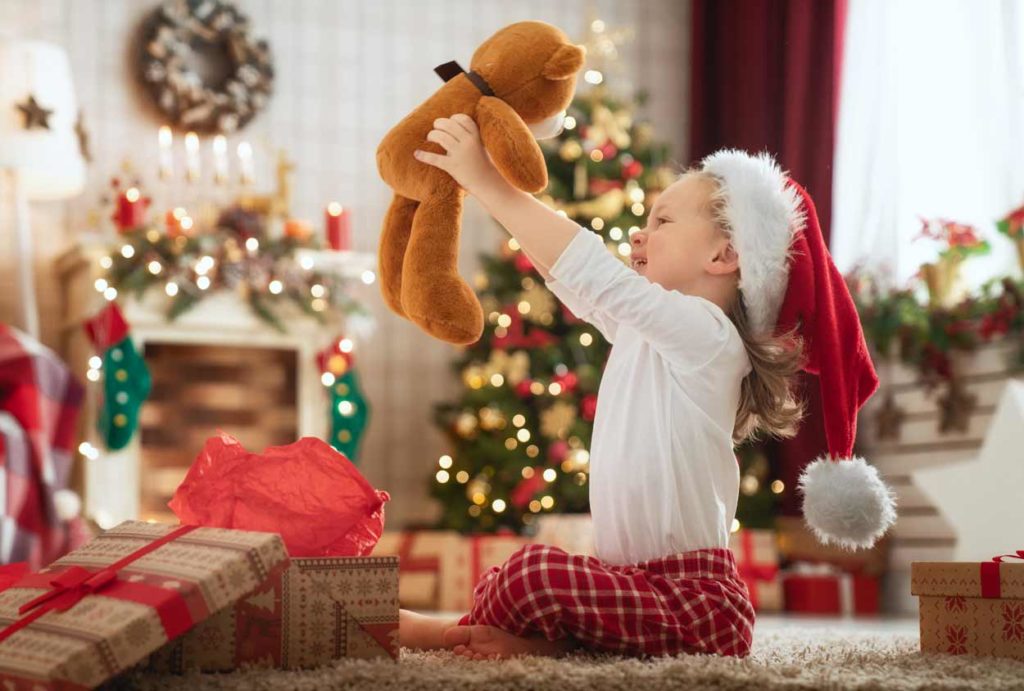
x=511, y=145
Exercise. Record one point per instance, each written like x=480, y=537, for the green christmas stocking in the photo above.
x=349, y=410
x=126, y=380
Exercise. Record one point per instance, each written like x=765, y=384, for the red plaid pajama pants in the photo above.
x=693, y=602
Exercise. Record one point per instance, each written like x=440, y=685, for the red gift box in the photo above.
x=757, y=562
x=822, y=589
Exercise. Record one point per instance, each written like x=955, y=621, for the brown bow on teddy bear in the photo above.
x=521, y=77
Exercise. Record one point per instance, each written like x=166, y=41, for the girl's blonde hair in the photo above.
x=768, y=407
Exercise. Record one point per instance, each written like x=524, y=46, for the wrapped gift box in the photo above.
x=112, y=602
x=476, y=555
x=757, y=560
x=823, y=589
x=971, y=607
x=438, y=569
x=422, y=555
x=798, y=544
x=316, y=611
x=573, y=532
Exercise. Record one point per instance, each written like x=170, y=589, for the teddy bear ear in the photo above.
x=565, y=62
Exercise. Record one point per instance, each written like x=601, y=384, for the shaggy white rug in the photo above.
x=784, y=658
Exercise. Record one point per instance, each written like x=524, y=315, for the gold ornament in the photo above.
x=556, y=420
x=571, y=150
x=477, y=489
x=473, y=377
x=492, y=419
x=465, y=425
x=606, y=125
x=541, y=303
x=578, y=460
x=513, y=368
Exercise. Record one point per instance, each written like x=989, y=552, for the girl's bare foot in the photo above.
x=420, y=632
x=481, y=642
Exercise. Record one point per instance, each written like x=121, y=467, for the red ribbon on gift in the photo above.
x=69, y=586
x=751, y=572
x=990, y=584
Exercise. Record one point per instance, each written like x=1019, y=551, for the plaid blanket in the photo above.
x=39, y=405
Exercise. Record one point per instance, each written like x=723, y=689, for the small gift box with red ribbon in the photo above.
x=974, y=608
x=107, y=605
x=825, y=589
x=757, y=561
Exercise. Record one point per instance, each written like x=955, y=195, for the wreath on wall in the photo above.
x=202, y=68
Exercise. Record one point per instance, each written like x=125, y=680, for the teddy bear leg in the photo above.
x=394, y=238
x=433, y=294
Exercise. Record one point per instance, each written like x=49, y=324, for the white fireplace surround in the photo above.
x=111, y=482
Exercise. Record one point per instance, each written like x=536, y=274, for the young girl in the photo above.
x=704, y=350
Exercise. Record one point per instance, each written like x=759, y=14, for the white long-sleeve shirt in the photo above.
x=663, y=475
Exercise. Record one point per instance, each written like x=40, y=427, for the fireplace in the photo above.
x=216, y=367
x=248, y=392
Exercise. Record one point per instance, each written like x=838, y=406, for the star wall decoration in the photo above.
x=36, y=117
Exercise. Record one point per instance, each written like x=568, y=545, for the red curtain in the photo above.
x=765, y=76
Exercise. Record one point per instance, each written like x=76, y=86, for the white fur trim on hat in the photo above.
x=846, y=502
x=764, y=213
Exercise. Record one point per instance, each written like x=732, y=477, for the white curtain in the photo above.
x=931, y=123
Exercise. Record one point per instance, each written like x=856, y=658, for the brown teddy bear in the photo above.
x=520, y=80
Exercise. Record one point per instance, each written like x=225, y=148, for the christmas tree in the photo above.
x=520, y=431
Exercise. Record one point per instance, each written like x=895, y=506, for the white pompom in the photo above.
x=846, y=502
x=67, y=504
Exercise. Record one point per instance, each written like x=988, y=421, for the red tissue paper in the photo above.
x=310, y=494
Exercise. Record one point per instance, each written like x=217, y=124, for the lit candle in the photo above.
x=166, y=165
x=220, y=159
x=192, y=171
x=131, y=210
x=339, y=230
x=245, y=162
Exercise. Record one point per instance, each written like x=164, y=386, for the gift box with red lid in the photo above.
x=972, y=608
x=825, y=589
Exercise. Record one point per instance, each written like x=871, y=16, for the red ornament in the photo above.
x=588, y=407
x=523, y=263
x=568, y=381
x=633, y=169
x=609, y=150
x=516, y=336
x=558, y=451
x=599, y=186
x=523, y=388
x=523, y=492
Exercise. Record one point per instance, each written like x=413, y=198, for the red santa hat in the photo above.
x=789, y=282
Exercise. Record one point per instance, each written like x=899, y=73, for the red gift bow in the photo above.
x=749, y=571
x=68, y=587
x=990, y=585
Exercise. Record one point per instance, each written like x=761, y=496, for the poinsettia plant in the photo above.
x=958, y=240
x=1012, y=226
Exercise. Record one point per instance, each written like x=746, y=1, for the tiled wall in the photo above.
x=346, y=71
